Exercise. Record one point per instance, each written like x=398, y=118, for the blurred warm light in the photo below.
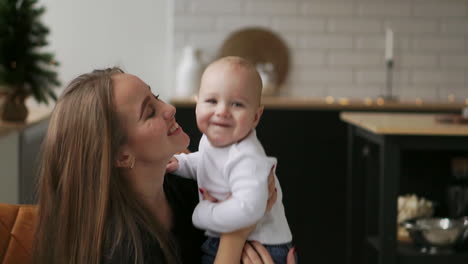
x=419, y=101
x=466, y=101
x=344, y=101
x=451, y=98
x=380, y=101
x=329, y=99
x=368, y=101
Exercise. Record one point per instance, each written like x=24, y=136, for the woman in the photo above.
x=103, y=193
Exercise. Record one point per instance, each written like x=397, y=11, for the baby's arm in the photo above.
x=248, y=180
x=185, y=165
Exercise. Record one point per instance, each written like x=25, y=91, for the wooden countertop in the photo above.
x=403, y=124
x=330, y=103
x=36, y=115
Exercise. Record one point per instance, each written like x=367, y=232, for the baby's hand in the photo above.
x=173, y=165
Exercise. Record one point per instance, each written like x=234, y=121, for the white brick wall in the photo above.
x=337, y=46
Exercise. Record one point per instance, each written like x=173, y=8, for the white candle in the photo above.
x=389, y=44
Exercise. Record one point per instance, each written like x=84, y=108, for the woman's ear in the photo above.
x=124, y=159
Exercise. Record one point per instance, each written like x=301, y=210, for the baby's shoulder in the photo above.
x=248, y=146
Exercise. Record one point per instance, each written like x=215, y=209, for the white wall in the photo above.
x=135, y=35
x=9, y=165
x=337, y=46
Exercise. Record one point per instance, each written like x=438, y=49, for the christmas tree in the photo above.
x=25, y=69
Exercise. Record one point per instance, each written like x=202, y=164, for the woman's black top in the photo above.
x=182, y=195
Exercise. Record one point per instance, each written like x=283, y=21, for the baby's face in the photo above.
x=228, y=107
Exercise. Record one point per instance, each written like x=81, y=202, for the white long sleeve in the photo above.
x=188, y=164
x=236, y=175
x=248, y=179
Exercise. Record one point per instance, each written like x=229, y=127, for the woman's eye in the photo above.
x=152, y=112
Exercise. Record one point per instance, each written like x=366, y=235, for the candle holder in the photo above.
x=388, y=95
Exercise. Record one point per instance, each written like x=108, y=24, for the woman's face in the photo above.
x=153, y=136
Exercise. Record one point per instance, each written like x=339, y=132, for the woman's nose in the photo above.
x=169, y=112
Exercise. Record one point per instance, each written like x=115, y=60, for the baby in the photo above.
x=231, y=164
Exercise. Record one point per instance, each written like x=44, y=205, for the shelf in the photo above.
x=408, y=254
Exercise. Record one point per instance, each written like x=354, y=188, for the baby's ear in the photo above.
x=258, y=115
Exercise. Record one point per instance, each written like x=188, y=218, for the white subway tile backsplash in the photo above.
x=321, y=75
x=233, y=23
x=290, y=39
x=371, y=42
x=190, y=23
x=327, y=8
x=438, y=77
x=215, y=7
x=411, y=60
x=454, y=61
x=207, y=40
x=354, y=91
x=437, y=43
x=417, y=26
x=271, y=7
x=314, y=90
x=324, y=42
x=308, y=58
x=440, y=8
x=413, y=92
x=301, y=24
x=354, y=25
x=352, y=58
x=337, y=46
x=458, y=26
x=388, y=8
x=379, y=75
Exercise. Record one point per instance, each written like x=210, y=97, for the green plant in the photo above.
x=25, y=69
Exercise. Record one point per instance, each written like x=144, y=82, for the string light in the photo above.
x=344, y=101
x=451, y=98
x=329, y=99
x=368, y=101
x=380, y=101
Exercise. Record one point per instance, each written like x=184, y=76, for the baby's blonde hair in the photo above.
x=238, y=63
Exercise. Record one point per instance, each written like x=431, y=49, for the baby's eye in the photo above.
x=237, y=104
x=210, y=101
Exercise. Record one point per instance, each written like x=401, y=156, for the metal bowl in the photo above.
x=434, y=235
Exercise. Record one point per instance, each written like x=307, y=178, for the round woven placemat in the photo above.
x=258, y=46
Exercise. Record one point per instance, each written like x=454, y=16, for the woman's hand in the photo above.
x=256, y=253
x=272, y=191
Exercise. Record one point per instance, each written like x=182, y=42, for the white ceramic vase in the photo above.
x=189, y=73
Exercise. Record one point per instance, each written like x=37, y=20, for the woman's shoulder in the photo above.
x=181, y=186
x=181, y=193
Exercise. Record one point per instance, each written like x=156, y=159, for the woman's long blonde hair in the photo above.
x=86, y=207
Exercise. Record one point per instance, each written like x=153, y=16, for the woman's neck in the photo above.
x=148, y=184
